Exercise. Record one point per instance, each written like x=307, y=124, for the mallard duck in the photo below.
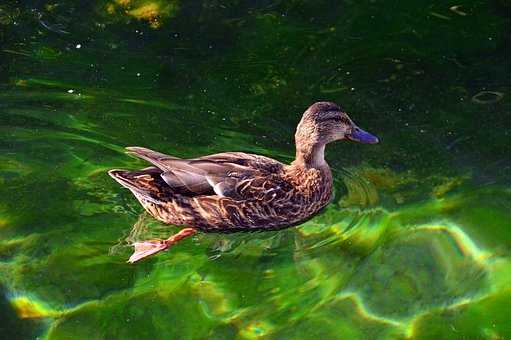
x=236, y=191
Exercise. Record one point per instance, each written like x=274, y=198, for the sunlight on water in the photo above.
x=415, y=244
x=363, y=261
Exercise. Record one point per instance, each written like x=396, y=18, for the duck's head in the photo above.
x=325, y=122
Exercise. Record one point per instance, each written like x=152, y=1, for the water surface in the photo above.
x=416, y=243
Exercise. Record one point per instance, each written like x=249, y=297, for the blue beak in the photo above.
x=361, y=136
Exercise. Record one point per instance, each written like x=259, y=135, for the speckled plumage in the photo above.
x=236, y=191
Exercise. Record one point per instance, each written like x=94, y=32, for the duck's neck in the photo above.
x=310, y=156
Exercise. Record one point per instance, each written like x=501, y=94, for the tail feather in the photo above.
x=156, y=158
x=146, y=184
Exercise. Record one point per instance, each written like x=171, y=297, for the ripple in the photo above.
x=487, y=97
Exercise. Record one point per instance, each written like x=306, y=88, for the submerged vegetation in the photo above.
x=414, y=245
x=152, y=12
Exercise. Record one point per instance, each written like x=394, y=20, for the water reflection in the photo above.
x=414, y=245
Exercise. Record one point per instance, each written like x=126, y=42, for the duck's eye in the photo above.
x=334, y=117
x=340, y=119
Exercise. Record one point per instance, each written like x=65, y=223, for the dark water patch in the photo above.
x=414, y=244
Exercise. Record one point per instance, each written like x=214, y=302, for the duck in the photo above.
x=236, y=191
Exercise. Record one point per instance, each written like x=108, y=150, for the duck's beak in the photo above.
x=361, y=136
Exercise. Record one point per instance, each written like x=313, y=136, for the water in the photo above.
x=416, y=243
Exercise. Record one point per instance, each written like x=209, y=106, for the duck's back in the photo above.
x=227, y=192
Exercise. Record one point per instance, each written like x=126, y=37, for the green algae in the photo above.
x=414, y=245
x=154, y=12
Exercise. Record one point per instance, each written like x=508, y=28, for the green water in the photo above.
x=416, y=243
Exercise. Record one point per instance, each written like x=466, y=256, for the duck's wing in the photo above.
x=230, y=174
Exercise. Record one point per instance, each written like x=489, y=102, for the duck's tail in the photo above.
x=145, y=184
